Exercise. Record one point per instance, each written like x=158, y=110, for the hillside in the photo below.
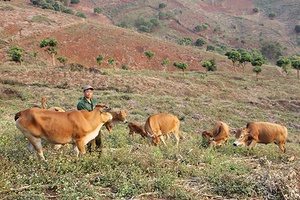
x=82, y=40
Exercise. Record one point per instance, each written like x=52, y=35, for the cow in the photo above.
x=119, y=116
x=77, y=127
x=161, y=124
x=219, y=135
x=136, y=128
x=261, y=132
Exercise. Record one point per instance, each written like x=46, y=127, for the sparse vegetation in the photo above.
x=17, y=54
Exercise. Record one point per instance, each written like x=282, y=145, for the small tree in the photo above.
x=245, y=58
x=200, y=42
x=99, y=60
x=50, y=45
x=162, y=5
x=206, y=64
x=149, y=55
x=257, y=62
x=285, y=64
x=257, y=70
x=165, y=63
x=234, y=56
x=111, y=62
x=16, y=54
x=181, y=65
x=295, y=61
x=80, y=14
x=62, y=60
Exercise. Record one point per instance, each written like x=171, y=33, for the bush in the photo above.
x=80, y=14
x=199, y=42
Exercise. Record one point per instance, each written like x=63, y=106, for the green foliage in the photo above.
x=297, y=28
x=149, y=54
x=185, y=41
x=295, y=62
x=271, y=15
x=146, y=25
x=123, y=24
x=165, y=63
x=255, y=10
x=210, y=48
x=200, y=42
x=68, y=11
x=181, y=65
x=272, y=50
x=47, y=6
x=234, y=56
x=202, y=27
x=58, y=6
x=16, y=54
x=125, y=67
x=97, y=10
x=210, y=65
x=99, y=59
x=80, y=14
x=75, y=1
x=162, y=5
x=111, y=62
x=62, y=60
x=285, y=64
x=48, y=43
x=245, y=58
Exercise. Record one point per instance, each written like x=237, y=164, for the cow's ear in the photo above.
x=105, y=110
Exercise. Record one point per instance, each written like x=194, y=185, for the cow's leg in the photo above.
x=80, y=146
x=162, y=139
x=36, y=143
x=282, y=147
x=252, y=144
x=177, y=137
x=76, y=150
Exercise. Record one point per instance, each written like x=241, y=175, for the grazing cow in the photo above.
x=76, y=127
x=119, y=116
x=261, y=132
x=136, y=128
x=162, y=124
x=219, y=135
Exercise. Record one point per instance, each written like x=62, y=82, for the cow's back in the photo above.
x=267, y=132
x=162, y=123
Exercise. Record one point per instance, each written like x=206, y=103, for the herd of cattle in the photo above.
x=80, y=127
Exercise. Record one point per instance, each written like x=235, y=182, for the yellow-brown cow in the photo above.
x=219, y=135
x=76, y=127
x=261, y=132
x=162, y=124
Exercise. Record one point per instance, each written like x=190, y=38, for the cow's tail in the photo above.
x=17, y=116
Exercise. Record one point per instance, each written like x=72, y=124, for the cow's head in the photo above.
x=242, y=138
x=207, y=135
x=153, y=138
x=122, y=116
x=103, y=108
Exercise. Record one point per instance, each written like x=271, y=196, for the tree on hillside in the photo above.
x=272, y=50
x=162, y=5
x=200, y=42
x=80, y=14
x=257, y=62
x=245, y=58
x=16, y=54
x=111, y=62
x=285, y=64
x=97, y=10
x=295, y=61
x=181, y=65
x=185, y=41
x=49, y=45
x=99, y=60
x=165, y=63
x=234, y=56
x=149, y=55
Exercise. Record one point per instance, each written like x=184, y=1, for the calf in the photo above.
x=136, y=128
x=119, y=116
x=162, y=124
x=219, y=135
x=261, y=132
x=76, y=127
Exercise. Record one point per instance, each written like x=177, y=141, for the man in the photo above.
x=87, y=103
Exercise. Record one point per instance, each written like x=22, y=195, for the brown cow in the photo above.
x=119, y=116
x=219, y=135
x=162, y=124
x=136, y=128
x=76, y=127
x=261, y=132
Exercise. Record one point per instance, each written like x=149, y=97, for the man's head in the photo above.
x=88, y=91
